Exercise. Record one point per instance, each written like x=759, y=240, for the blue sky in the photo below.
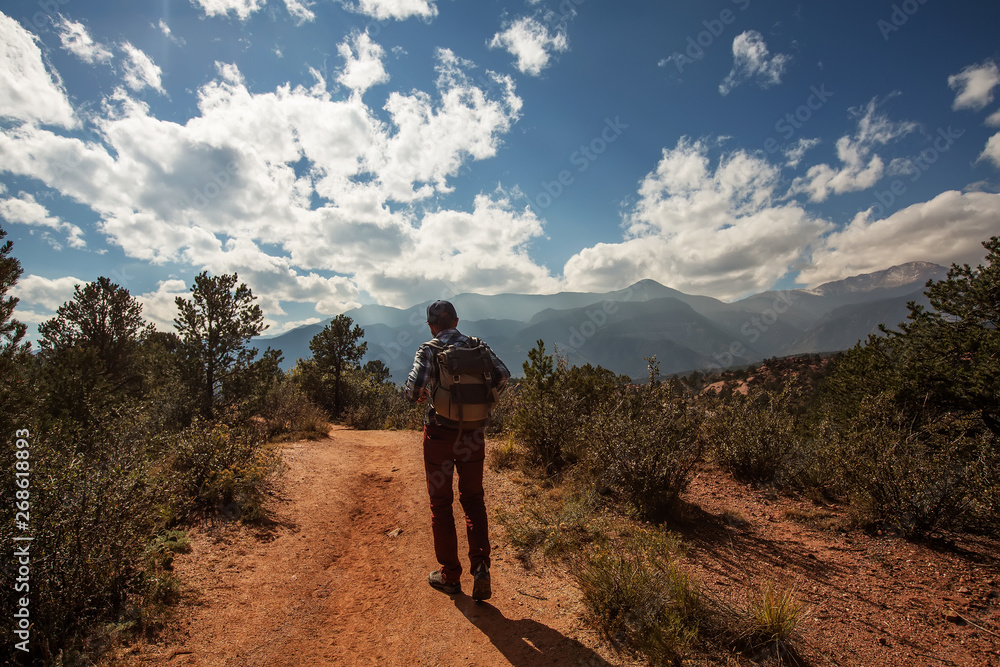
x=341, y=152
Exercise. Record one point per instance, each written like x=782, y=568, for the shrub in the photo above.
x=503, y=454
x=502, y=415
x=371, y=404
x=287, y=410
x=638, y=598
x=546, y=417
x=754, y=438
x=897, y=473
x=217, y=470
x=91, y=511
x=645, y=445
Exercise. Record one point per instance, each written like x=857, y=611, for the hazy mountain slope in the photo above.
x=843, y=327
x=617, y=329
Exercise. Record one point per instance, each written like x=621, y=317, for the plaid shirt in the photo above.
x=423, y=376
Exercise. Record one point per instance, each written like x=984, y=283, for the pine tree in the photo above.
x=336, y=349
x=214, y=326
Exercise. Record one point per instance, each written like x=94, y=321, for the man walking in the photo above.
x=454, y=440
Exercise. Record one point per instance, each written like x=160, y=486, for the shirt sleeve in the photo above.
x=502, y=373
x=421, y=373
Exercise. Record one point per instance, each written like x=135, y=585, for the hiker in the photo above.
x=454, y=440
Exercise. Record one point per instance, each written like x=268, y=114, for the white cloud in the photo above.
x=992, y=150
x=994, y=119
x=949, y=228
x=28, y=91
x=718, y=231
x=753, y=61
x=241, y=8
x=77, y=40
x=168, y=33
x=295, y=324
x=25, y=210
x=860, y=168
x=393, y=9
x=299, y=10
x=528, y=40
x=363, y=68
x=974, y=85
x=795, y=153
x=140, y=70
x=485, y=252
x=159, y=306
x=46, y=292
x=220, y=191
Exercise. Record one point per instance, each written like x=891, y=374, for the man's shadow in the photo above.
x=527, y=643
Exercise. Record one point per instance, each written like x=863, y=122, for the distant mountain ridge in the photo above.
x=618, y=329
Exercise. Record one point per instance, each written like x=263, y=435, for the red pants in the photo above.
x=444, y=453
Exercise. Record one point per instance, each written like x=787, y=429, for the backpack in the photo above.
x=464, y=391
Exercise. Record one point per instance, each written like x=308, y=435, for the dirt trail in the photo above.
x=332, y=582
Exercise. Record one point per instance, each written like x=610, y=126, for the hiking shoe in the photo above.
x=437, y=582
x=481, y=583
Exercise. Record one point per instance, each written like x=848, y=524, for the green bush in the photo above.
x=547, y=416
x=897, y=473
x=287, y=410
x=91, y=512
x=373, y=404
x=755, y=438
x=218, y=470
x=638, y=598
x=502, y=415
x=645, y=445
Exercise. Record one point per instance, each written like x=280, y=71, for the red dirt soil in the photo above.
x=338, y=577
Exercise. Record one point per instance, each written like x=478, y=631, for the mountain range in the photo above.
x=619, y=329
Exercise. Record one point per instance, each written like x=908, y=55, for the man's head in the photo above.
x=441, y=315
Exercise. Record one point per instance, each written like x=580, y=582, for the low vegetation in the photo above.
x=130, y=435
x=903, y=428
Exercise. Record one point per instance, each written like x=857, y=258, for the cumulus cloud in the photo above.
x=860, y=167
x=363, y=68
x=992, y=150
x=140, y=70
x=159, y=306
x=716, y=230
x=399, y=10
x=45, y=292
x=797, y=151
x=25, y=210
x=530, y=42
x=241, y=8
x=752, y=61
x=949, y=228
x=77, y=40
x=974, y=85
x=227, y=190
x=28, y=91
x=485, y=250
